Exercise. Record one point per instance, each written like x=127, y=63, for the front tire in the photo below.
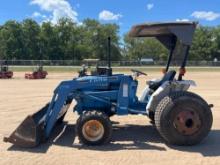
x=94, y=128
x=183, y=118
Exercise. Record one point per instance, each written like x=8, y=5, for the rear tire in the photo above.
x=183, y=118
x=94, y=128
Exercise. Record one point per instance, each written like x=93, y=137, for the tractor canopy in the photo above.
x=175, y=36
x=167, y=33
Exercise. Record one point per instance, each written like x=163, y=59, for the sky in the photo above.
x=123, y=12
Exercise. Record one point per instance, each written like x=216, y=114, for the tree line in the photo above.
x=66, y=40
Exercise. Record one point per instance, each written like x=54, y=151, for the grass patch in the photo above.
x=115, y=69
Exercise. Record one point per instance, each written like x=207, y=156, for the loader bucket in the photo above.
x=31, y=131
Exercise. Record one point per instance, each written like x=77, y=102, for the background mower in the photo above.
x=181, y=117
x=4, y=71
x=39, y=73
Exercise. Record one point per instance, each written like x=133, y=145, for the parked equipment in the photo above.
x=39, y=73
x=5, y=73
x=180, y=116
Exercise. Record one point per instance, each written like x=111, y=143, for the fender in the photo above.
x=165, y=89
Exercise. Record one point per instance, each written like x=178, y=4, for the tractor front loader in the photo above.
x=37, y=127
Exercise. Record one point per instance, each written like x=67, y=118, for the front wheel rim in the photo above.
x=93, y=130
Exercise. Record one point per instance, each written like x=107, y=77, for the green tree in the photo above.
x=96, y=35
x=67, y=40
x=11, y=41
x=137, y=48
x=49, y=42
x=204, y=44
x=31, y=39
x=216, y=40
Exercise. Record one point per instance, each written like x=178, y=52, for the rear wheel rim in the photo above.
x=93, y=130
x=187, y=122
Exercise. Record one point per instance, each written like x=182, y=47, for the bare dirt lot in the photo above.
x=134, y=141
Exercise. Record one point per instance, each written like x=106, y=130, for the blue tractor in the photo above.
x=181, y=117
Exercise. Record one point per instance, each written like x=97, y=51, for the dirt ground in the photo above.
x=134, y=141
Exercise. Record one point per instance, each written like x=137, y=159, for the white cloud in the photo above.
x=109, y=16
x=182, y=20
x=58, y=8
x=38, y=15
x=150, y=6
x=206, y=15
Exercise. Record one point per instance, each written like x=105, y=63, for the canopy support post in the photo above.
x=169, y=58
x=184, y=63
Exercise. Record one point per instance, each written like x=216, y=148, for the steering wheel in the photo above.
x=138, y=72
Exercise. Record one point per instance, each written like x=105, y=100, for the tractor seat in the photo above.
x=169, y=76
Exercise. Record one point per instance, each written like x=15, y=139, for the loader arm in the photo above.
x=58, y=106
x=61, y=100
